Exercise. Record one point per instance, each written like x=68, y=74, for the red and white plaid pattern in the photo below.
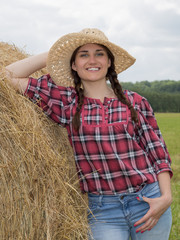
x=112, y=156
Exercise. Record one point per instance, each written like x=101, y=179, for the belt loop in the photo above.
x=140, y=195
x=100, y=200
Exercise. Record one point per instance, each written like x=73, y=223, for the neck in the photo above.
x=98, y=90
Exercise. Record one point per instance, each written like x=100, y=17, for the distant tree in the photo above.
x=164, y=96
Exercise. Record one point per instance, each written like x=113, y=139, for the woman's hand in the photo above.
x=157, y=207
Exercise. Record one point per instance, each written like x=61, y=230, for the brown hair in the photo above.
x=116, y=86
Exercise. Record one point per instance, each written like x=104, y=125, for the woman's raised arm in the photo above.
x=18, y=72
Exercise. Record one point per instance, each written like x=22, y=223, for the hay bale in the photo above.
x=39, y=193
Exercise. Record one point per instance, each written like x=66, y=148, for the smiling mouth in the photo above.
x=93, y=69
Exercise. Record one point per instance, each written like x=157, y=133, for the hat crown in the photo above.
x=94, y=32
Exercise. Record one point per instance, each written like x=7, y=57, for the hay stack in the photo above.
x=39, y=189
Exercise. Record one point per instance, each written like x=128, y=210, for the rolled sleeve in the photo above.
x=163, y=167
x=57, y=102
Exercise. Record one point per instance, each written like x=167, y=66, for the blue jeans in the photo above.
x=113, y=217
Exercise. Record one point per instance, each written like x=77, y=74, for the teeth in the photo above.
x=93, y=69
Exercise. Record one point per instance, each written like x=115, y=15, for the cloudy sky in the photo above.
x=148, y=29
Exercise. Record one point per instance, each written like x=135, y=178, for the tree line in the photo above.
x=164, y=96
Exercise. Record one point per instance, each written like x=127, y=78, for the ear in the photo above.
x=74, y=66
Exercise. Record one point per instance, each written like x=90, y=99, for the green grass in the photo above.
x=169, y=124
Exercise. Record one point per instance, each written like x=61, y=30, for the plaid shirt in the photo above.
x=112, y=156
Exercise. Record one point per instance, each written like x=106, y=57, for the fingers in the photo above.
x=148, y=225
x=147, y=215
x=150, y=219
x=146, y=219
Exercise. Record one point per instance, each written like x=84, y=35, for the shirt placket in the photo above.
x=106, y=107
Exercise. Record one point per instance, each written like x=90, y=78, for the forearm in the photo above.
x=25, y=67
x=165, y=185
x=18, y=72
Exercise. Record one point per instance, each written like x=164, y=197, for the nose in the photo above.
x=92, y=59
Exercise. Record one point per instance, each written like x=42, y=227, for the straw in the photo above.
x=39, y=193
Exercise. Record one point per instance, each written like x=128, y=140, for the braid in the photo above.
x=117, y=88
x=80, y=93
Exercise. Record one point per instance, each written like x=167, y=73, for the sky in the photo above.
x=148, y=29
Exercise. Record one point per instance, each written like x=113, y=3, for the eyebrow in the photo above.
x=97, y=50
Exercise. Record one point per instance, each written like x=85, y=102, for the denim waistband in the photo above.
x=115, y=198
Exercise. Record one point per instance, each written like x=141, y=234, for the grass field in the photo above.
x=169, y=124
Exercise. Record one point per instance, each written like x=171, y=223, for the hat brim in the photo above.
x=58, y=62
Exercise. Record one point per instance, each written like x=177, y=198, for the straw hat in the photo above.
x=58, y=62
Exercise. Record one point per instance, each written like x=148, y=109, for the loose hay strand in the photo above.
x=39, y=194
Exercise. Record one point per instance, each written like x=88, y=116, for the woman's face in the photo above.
x=91, y=63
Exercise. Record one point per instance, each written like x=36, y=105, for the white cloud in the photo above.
x=165, y=5
x=148, y=29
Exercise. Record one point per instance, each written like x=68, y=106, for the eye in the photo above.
x=100, y=54
x=83, y=55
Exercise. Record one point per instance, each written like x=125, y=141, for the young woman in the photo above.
x=121, y=158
